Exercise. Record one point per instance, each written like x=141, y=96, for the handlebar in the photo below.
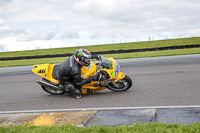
x=99, y=66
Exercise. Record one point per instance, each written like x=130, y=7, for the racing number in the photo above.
x=110, y=63
x=42, y=71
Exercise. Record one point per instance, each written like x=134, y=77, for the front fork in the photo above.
x=119, y=77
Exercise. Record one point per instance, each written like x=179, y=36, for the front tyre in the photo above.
x=122, y=85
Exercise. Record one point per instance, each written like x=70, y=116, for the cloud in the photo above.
x=2, y=47
x=4, y=2
x=29, y=35
x=1, y=22
x=5, y=31
x=70, y=34
x=84, y=20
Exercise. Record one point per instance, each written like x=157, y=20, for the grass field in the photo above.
x=115, y=56
x=136, y=128
x=136, y=45
x=122, y=46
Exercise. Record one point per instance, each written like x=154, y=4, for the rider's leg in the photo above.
x=73, y=90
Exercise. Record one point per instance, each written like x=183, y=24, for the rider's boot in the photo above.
x=73, y=91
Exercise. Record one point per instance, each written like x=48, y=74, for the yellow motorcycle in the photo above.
x=109, y=77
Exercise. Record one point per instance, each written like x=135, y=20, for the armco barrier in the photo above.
x=103, y=52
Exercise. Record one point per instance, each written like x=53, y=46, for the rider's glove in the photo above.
x=98, y=57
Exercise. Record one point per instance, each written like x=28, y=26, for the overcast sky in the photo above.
x=26, y=24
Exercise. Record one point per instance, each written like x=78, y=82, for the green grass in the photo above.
x=115, y=56
x=135, y=45
x=138, y=45
x=136, y=128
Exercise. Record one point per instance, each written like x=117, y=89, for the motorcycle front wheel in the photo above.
x=122, y=85
x=51, y=90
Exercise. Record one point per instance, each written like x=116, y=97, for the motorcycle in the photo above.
x=109, y=77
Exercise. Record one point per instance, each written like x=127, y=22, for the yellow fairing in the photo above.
x=45, y=71
x=89, y=88
x=86, y=72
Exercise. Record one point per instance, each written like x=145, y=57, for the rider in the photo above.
x=69, y=72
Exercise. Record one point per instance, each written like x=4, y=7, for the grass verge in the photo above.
x=107, y=47
x=115, y=56
x=136, y=128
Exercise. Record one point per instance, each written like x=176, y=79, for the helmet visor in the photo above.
x=87, y=59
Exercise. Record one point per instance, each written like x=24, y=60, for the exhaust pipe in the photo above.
x=44, y=83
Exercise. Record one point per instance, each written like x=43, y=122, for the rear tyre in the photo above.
x=51, y=90
x=123, y=84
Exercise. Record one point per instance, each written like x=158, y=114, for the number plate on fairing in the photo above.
x=116, y=69
x=105, y=82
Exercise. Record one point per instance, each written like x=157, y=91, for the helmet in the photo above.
x=83, y=56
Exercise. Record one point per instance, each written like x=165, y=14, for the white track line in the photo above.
x=90, y=109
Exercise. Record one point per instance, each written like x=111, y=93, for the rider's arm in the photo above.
x=80, y=81
x=96, y=56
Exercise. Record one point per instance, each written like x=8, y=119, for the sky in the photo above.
x=42, y=24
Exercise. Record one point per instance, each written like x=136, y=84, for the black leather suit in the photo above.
x=69, y=74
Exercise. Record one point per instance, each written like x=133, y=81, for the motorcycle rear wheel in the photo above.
x=123, y=84
x=51, y=90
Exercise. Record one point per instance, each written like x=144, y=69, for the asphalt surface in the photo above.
x=159, y=81
x=128, y=117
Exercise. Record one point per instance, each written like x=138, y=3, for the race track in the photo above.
x=165, y=81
